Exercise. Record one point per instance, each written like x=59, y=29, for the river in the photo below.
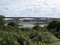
x=30, y=25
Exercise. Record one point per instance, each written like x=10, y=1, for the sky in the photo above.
x=30, y=8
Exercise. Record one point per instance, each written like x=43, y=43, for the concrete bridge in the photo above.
x=45, y=20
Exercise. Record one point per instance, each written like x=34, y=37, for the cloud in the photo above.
x=30, y=8
x=53, y=3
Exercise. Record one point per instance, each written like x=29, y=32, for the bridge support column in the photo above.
x=47, y=21
x=17, y=21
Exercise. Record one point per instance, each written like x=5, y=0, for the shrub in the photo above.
x=36, y=27
x=22, y=41
x=52, y=25
x=55, y=25
x=11, y=24
x=45, y=37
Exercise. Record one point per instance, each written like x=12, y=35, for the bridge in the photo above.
x=45, y=20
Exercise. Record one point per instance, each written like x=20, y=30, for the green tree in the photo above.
x=11, y=24
x=52, y=25
x=2, y=22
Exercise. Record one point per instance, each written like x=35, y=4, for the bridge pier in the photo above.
x=17, y=21
x=47, y=20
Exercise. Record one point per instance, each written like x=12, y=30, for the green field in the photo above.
x=26, y=22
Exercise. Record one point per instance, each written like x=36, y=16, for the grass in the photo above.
x=26, y=22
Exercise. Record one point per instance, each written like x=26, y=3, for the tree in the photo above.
x=58, y=27
x=2, y=22
x=52, y=25
x=11, y=24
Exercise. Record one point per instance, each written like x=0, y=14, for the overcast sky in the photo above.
x=30, y=8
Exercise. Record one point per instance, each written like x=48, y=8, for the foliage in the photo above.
x=54, y=27
x=1, y=21
x=12, y=24
x=45, y=37
x=13, y=35
x=36, y=27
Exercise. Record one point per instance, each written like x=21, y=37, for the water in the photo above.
x=30, y=25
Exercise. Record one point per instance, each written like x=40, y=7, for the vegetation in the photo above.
x=54, y=27
x=12, y=24
x=1, y=21
x=13, y=35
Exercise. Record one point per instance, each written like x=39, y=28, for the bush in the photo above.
x=12, y=24
x=45, y=37
x=21, y=41
x=36, y=27
x=52, y=25
x=25, y=29
x=55, y=25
